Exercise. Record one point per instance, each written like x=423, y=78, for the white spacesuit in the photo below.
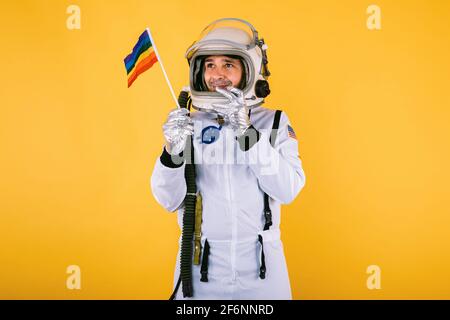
x=242, y=254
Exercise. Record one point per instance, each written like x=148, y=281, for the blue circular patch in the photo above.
x=210, y=134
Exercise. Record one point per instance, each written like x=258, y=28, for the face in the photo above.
x=222, y=71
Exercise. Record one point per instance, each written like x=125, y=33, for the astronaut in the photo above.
x=247, y=164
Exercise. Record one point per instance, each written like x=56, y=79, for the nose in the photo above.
x=217, y=73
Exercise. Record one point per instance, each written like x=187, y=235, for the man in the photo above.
x=244, y=171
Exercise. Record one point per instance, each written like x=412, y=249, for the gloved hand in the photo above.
x=236, y=111
x=177, y=129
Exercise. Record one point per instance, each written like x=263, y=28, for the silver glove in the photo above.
x=177, y=129
x=236, y=111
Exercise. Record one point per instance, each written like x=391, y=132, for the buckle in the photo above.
x=262, y=272
x=268, y=217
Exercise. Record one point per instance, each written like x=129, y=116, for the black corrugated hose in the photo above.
x=189, y=214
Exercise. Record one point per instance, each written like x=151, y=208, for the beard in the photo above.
x=222, y=83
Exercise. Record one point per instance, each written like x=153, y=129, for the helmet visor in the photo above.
x=201, y=83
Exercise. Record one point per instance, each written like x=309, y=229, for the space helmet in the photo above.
x=229, y=37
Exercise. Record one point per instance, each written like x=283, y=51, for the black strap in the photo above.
x=262, y=268
x=267, y=212
x=275, y=125
x=204, y=268
x=272, y=139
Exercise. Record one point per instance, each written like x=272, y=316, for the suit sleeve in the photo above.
x=278, y=169
x=168, y=183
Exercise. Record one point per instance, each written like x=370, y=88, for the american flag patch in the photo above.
x=291, y=133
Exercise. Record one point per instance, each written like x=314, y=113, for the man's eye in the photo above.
x=229, y=65
x=209, y=65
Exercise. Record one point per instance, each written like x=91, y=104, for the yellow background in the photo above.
x=370, y=108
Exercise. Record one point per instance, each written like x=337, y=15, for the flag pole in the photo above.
x=162, y=66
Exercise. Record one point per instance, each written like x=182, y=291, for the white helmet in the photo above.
x=237, y=38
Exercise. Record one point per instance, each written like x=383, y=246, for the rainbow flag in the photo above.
x=141, y=58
